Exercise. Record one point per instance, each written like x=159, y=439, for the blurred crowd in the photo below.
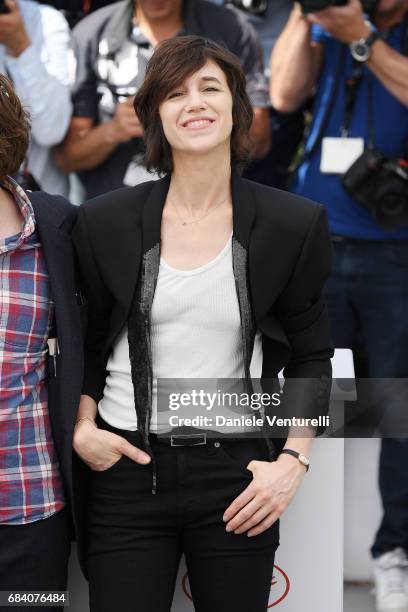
x=79, y=83
x=328, y=85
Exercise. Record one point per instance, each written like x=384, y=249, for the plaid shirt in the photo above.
x=30, y=483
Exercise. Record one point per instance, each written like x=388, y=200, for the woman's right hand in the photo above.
x=101, y=449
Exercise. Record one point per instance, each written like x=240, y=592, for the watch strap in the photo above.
x=367, y=43
x=289, y=451
x=375, y=34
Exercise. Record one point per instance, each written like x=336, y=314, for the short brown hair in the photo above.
x=173, y=61
x=14, y=129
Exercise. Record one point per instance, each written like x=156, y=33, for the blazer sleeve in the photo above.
x=99, y=305
x=302, y=310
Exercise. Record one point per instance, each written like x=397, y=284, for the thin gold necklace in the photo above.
x=184, y=223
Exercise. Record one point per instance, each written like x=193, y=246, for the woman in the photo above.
x=199, y=275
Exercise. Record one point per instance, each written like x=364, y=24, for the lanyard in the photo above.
x=351, y=87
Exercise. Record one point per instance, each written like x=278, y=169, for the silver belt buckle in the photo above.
x=201, y=439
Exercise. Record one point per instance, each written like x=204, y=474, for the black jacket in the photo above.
x=55, y=218
x=281, y=259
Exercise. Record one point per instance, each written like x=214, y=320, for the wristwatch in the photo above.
x=301, y=458
x=361, y=49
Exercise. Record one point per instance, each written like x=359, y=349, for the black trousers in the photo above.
x=34, y=557
x=136, y=538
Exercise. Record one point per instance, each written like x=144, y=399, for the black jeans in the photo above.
x=34, y=557
x=136, y=538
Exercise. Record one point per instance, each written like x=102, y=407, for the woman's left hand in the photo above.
x=264, y=500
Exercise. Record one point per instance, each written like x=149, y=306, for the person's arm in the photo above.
x=347, y=24
x=99, y=449
x=261, y=132
x=295, y=64
x=39, y=70
x=87, y=146
x=391, y=68
x=303, y=315
x=88, y=142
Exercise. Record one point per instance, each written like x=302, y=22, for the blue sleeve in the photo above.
x=319, y=35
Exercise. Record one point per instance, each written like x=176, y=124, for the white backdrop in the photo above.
x=362, y=506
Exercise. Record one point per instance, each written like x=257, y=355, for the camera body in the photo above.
x=380, y=184
x=311, y=6
x=258, y=7
x=253, y=7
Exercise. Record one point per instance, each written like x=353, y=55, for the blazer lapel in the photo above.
x=243, y=209
x=152, y=213
x=139, y=325
x=59, y=258
x=260, y=257
x=125, y=241
x=64, y=396
x=243, y=218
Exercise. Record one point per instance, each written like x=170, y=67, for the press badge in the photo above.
x=136, y=173
x=338, y=154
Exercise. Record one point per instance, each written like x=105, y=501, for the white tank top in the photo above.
x=195, y=333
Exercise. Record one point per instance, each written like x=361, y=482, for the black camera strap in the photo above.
x=370, y=113
x=311, y=150
x=351, y=86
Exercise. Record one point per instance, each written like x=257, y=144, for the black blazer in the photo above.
x=55, y=218
x=285, y=249
x=281, y=260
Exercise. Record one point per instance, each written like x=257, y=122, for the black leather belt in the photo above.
x=197, y=439
x=188, y=440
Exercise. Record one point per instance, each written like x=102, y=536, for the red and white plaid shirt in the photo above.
x=30, y=482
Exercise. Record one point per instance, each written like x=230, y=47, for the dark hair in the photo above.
x=14, y=129
x=173, y=61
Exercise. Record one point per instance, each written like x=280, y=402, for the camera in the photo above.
x=380, y=184
x=253, y=7
x=311, y=6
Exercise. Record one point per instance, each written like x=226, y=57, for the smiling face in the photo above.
x=197, y=115
x=158, y=10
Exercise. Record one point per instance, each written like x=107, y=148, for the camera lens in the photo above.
x=392, y=204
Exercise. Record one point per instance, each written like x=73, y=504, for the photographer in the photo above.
x=113, y=46
x=268, y=18
x=34, y=49
x=352, y=163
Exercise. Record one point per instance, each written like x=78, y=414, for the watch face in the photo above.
x=360, y=51
x=303, y=460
